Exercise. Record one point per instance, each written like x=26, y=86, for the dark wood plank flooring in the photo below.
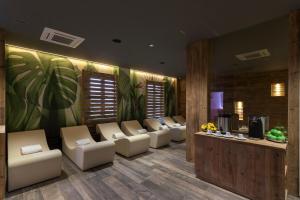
x=158, y=174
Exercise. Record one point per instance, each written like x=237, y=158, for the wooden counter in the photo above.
x=252, y=168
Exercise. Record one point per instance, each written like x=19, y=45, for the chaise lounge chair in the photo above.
x=81, y=148
x=30, y=160
x=177, y=133
x=179, y=119
x=157, y=138
x=125, y=145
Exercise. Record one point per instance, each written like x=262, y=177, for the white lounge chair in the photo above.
x=157, y=138
x=125, y=145
x=37, y=165
x=82, y=149
x=177, y=133
x=179, y=119
x=178, y=130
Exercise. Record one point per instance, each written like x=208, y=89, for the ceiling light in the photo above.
x=253, y=55
x=116, y=40
x=151, y=45
x=61, y=38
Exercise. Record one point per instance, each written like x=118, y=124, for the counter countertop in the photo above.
x=261, y=142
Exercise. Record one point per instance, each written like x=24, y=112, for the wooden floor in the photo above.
x=158, y=174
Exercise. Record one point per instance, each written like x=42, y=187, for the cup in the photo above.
x=241, y=136
x=218, y=133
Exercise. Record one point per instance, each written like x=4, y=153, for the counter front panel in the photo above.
x=254, y=169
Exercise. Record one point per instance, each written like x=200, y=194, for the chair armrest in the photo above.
x=137, y=138
x=159, y=138
x=133, y=145
x=94, y=154
x=95, y=146
x=158, y=133
x=30, y=169
x=34, y=158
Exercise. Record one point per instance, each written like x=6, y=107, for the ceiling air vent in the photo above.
x=61, y=38
x=253, y=55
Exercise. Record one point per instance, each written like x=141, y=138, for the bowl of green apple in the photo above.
x=277, y=134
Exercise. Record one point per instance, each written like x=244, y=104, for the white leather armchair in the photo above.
x=127, y=145
x=157, y=138
x=89, y=155
x=179, y=119
x=25, y=170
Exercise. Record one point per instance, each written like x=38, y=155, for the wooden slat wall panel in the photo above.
x=254, y=90
x=293, y=103
x=99, y=98
x=254, y=171
x=198, y=58
x=2, y=118
x=155, y=104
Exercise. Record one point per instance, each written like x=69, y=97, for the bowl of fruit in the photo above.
x=277, y=134
x=209, y=127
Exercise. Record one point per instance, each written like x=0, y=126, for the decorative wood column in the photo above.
x=293, y=103
x=2, y=118
x=198, y=60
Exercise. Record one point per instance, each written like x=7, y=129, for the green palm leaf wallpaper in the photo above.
x=43, y=90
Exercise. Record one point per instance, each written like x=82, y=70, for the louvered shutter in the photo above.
x=99, y=97
x=155, y=106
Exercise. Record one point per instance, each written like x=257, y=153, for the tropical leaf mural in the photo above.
x=170, y=97
x=138, y=84
x=90, y=67
x=61, y=87
x=43, y=90
x=25, y=75
x=25, y=81
x=137, y=98
x=26, y=116
x=124, y=100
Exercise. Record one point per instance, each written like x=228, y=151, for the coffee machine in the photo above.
x=225, y=122
x=258, y=126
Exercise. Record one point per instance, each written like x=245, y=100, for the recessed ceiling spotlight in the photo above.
x=151, y=45
x=162, y=63
x=116, y=40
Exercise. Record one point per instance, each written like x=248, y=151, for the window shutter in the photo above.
x=99, y=98
x=155, y=104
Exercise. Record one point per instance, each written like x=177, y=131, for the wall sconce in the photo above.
x=239, y=109
x=277, y=90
